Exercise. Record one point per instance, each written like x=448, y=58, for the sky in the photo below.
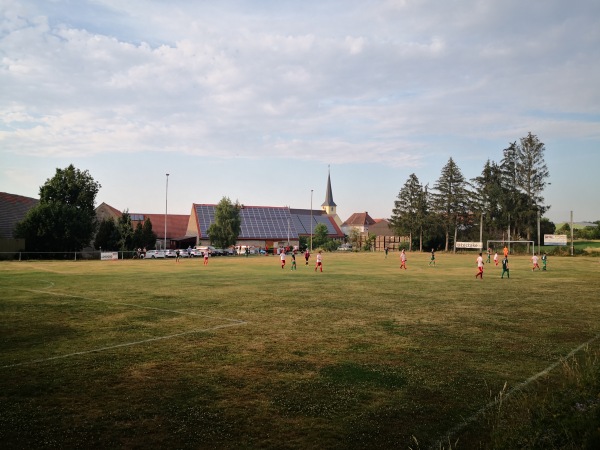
x=259, y=101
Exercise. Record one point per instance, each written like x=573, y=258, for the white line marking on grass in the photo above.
x=519, y=387
x=131, y=304
x=236, y=322
x=127, y=344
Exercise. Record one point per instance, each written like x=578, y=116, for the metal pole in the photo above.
x=166, y=205
x=572, y=249
x=311, y=220
x=539, y=228
x=481, y=232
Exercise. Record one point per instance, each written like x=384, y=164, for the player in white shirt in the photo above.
x=479, y=266
x=319, y=261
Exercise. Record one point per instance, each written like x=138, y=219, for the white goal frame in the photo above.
x=512, y=242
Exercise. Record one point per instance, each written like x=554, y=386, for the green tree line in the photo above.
x=65, y=219
x=506, y=197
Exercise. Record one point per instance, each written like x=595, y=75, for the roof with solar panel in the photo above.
x=270, y=222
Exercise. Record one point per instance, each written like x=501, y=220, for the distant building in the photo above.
x=176, y=229
x=358, y=221
x=329, y=206
x=13, y=209
x=264, y=226
x=176, y=225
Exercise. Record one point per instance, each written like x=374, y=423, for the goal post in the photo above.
x=509, y=242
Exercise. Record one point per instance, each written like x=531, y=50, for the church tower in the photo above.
x=329, y=205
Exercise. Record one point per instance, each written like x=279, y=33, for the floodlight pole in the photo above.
x=311, y=220
x=572, y=245
x=481, y=232
x=539, y=229
x=166, y=208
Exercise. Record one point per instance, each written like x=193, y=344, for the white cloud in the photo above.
x=315, y=81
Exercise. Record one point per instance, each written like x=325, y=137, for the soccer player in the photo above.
x=505, y=251
x=489, y=254
x=479, y=266
x=319, y=262
x=534, y=260
x=306, y=256
x=282, y=258
x=496, y=258
x=206, y=252
x=432, y=261
x=544, y=261
x=505, y=268
x=293, y=262
x=403, y=259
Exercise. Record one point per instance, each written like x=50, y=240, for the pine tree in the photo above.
x=531, y=175
x=451, y=200
x=408, y=215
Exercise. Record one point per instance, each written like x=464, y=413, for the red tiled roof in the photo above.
x=359, y=219
x=13, y=209
x=176, y=224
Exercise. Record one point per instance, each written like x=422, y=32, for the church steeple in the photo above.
x=329, y=205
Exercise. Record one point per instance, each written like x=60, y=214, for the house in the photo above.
x=174, y=231
x=359, y=222
x=13, y=209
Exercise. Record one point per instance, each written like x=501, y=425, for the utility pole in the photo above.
x=166, y=207
x=311, y=220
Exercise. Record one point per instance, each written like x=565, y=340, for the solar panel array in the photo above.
x=302, y=223
x=257, y=222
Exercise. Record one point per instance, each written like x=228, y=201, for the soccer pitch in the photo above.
x=244, y=354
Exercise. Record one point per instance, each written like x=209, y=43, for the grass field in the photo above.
x=243, y=354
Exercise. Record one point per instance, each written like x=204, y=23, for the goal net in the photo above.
x=513, y=246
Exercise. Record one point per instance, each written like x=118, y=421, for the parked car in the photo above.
x=170, y=253
x=207, y=248
x=345, y=247
x=195, y=253
x=152, y=254
x=183, y=253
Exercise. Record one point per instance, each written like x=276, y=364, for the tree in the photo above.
x=490, y=196
x=148, y=235
x=354, y=237
x=226, y=228
x=510, y=193
x=531, y=175
x=107, y=236
x=143, y=236
x=409, y=213
x=64, y=219
x=125, y=229
x=369, y=241
x=320, y=237
x=451, y=200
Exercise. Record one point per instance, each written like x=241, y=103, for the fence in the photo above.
x=61, y=256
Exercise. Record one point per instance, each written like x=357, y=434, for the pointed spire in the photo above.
x=328, y=193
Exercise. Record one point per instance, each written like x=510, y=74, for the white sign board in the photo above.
x=109, y=256
x=555, y=239
x=475, y=245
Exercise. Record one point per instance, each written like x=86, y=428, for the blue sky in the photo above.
x=254, y=100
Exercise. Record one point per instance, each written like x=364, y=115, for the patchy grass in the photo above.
x=243, y=354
